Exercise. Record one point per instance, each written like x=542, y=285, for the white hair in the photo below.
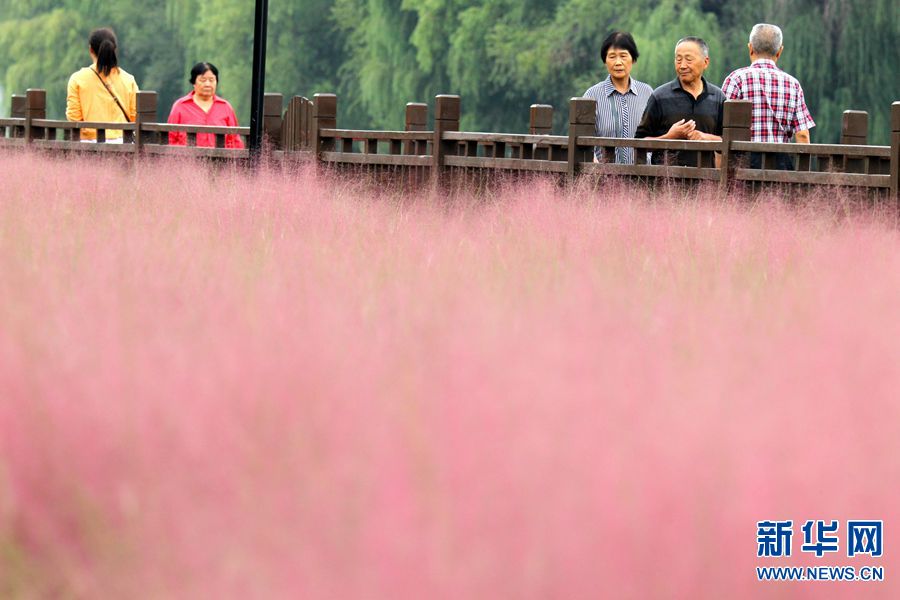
x=766, y=39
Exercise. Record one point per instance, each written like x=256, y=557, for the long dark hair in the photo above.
x=104, y=45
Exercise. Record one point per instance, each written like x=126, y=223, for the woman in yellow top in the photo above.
x=102, y=92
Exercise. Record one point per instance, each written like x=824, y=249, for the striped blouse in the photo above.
x=618, y=114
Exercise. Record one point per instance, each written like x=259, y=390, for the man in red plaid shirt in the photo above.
x=779, y=107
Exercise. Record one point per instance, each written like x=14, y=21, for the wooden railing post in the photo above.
x=17, y=111
x=581, y=122
x=324, y=117
x=735, y=128
x=416, y=120
x=147, y=103
x=35, y=108
x=541, y=119
x=855, y=127
x=447, y=110
x=855, y=131
x=272, y=119
x=17, y=106
x=540, y=122
x=895, y=151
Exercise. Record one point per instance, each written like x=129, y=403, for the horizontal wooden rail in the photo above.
x=645, y=144
x=357, y=158
x=180, y=128
x=661, y=171
x=60, y=124
x=505, y=138
x=83, y=146
x=518, y=164
x=196, y=151
x=366, y=134
x=814, y=178
x=160, y=127
x=833, y=149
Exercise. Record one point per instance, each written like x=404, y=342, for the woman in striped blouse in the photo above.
x=620, y=99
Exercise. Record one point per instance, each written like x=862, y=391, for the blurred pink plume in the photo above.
x=224, y=384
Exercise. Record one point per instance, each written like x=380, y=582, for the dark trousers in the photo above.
x=783, y=162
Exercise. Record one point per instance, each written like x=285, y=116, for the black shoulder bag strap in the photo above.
x=113, y=94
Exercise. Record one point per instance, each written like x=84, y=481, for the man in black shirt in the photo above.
x=687, y=108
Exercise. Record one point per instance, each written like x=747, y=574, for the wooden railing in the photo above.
x=308, y=130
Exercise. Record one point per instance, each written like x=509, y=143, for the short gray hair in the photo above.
x=704, y=47
x=766, y=39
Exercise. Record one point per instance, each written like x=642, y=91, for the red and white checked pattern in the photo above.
x=779, y=107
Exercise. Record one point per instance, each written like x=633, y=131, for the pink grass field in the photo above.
x=215, y=384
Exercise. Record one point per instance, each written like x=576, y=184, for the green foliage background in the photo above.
x=500, y=55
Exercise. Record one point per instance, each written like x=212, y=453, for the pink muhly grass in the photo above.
x=221, y=384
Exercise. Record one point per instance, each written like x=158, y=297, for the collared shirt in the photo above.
x=670, y=103
x=187, y=112
x=618, y=114
x=88, y=99
x=779, y=107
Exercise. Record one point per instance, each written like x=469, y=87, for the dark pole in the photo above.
x=259, y=76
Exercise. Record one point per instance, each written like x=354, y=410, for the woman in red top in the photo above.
x=203, y=107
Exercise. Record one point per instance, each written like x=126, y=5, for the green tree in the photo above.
x=46, y=48
x=381, y=71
